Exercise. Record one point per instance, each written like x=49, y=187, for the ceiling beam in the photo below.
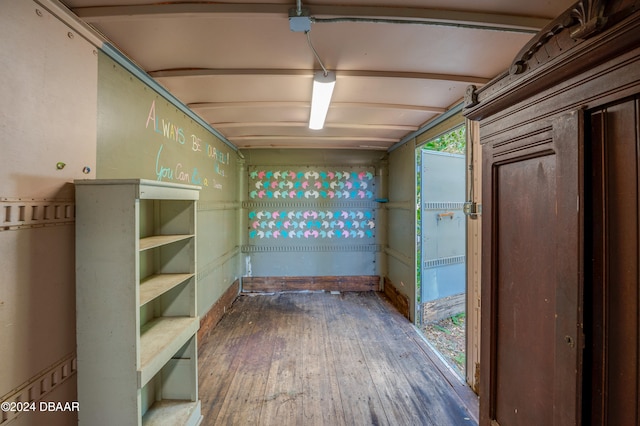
x=340, y=74
x=466, y=79
x=312, y=144
x=303, y=138
x=412, y=15
x=315, y=145
x=202, y=106
x=421, y=108
x=376, y=126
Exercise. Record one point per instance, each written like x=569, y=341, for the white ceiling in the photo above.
x=240, y=67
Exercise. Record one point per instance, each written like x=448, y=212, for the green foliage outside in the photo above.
x=458, y=319
x=454, y=142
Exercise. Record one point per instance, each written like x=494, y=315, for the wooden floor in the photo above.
x=318, y=358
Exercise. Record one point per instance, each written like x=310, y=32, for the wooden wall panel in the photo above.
x=622, y=264
x=399, y=300
x=614, y=298
x=474, y=257
x=311, y=283
x=209, y=320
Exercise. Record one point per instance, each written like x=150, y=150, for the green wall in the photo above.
x=141, y=134
x=401, y=210
x=401, y=248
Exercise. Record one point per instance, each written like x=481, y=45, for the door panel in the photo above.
x=443, y=225
x=525, y=291
x=532, y=305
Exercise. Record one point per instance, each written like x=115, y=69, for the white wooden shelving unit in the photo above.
x=136, y=303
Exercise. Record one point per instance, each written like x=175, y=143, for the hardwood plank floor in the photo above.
x=316, y=358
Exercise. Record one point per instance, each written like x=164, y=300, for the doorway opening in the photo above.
x=441, y=245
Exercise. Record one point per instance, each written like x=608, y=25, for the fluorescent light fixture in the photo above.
x=321, y=97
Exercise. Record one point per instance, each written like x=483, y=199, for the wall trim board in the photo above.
x=336, y=159
x=454, y=122
x=39, y=386
x=217, y=205
x=433, y=123
x=312, y=248
x=217, y=311
x=217, y=262
x=326, y=283
x=401, y=257
x=397, y=299
x=316, y=204
x=399, y=205
x=21, y=213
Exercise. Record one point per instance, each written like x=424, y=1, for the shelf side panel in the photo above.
x=106, y=302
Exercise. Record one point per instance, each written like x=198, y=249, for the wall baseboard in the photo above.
x=326, y=283
x=213, y=316
x=399, y=300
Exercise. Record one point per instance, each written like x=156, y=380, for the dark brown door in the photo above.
x=532, y=282
x=613, y=296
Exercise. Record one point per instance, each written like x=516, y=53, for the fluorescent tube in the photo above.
x=320, y=98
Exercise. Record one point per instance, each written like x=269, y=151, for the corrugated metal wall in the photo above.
x=48, y=137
